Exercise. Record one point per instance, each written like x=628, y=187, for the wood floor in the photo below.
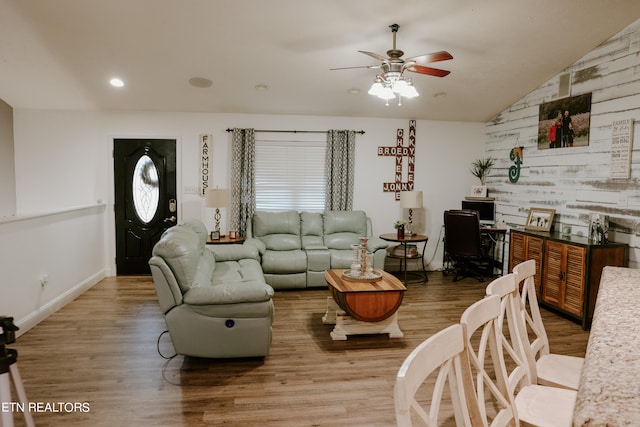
x=101, y=349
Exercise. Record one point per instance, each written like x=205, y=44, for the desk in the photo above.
x=493, y=235
x=414, y=238
x=610, y=379
x=492, y=238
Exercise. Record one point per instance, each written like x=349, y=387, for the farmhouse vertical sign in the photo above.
x=205, y=155
x=621, y=145
x=399, y=152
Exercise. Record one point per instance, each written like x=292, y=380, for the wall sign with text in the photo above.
x=621, y=146
x=205, y=159
x=400, y=152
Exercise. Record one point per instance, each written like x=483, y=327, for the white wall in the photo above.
x=576, y=181
x=63, y=158
x=65, y=246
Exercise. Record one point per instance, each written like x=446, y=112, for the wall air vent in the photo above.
x=564, y=86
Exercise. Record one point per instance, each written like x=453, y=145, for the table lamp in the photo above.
x=410, y=200
x=216, y=198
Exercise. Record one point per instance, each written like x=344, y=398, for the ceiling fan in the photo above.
x=391, y=80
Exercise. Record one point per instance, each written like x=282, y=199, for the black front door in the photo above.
x=145, y=199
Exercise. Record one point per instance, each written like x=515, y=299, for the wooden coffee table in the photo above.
x=363, y=307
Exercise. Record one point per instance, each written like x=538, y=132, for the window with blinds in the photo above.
x=291, y=174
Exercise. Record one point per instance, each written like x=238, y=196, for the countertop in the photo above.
x=609, y=392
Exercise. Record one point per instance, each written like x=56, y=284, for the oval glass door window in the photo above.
x=146, y=191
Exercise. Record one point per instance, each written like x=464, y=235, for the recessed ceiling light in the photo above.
x=200, y=82
x=261, y=87
x=116, y=82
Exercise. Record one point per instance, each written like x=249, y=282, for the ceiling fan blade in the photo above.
x=427, y=70
x=431, y=57
x=374, y=55
x=351, y=68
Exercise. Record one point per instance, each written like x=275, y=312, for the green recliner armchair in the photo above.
x=215, y=304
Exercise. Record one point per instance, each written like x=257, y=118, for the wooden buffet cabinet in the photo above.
x=568, y=269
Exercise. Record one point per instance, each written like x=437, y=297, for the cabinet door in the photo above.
x=574, y=279
x=517, y=250
x=553, y=271
x=564, y=276
x=523, y=248
x=534, y=251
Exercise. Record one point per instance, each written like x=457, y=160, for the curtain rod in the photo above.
x=361, y=132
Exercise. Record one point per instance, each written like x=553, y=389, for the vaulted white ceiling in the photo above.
x=60, y=54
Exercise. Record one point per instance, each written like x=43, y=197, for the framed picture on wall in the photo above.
x=540, y=219
x=565, y=123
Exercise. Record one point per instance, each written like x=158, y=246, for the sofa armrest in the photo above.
x=229, y=293
x=375, y=243
x=234, y=252
x=256, y=243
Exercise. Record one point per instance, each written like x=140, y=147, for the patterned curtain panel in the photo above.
x=243, y=190
x=340, y=163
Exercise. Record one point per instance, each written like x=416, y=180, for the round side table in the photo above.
x=405, y=255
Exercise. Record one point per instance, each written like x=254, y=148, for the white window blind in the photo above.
x=290, y=174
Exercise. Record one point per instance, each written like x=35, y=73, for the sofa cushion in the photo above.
x=345, y=221
x=204, y=270
x=284, y=262
x=280, y=231
x=242, y=270
x=200, y=229
x=311, y=227
x=344, y=228
x=180, y=248
x=265, y=223
x=281, y=242
x=229, y=293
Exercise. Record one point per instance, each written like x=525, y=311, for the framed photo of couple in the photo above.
x=565, y=122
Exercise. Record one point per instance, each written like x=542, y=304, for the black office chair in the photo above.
x=463, y=244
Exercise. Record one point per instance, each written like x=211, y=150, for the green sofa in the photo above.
x=297, y=247
x=215, y=301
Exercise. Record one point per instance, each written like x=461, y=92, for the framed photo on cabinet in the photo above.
x=479, y=191
x=540, y=219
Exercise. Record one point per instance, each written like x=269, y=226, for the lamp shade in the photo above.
x=216, y=198
x=410, y=199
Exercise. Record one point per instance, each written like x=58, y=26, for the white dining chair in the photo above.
x=552, y=369
x=437, y=362
x=513, y=399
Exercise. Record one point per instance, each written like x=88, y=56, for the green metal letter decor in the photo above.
x=516, y=157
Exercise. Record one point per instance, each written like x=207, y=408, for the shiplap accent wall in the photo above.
x=575, y=181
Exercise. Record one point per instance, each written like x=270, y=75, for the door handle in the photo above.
x=172, y=218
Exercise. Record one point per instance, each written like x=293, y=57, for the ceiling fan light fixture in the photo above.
x=387, y=85
x=409, y=91
x=400, y=86
x=376, y=88
x=386, y=93
x=390, y=80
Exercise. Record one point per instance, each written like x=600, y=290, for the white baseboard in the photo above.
x=37, y=316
